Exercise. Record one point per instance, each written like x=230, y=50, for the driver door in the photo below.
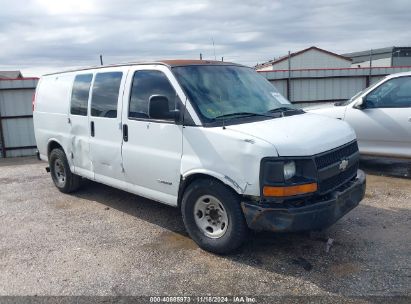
x=383, y=124
x=152, y=148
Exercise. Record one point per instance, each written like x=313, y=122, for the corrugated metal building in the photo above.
x=16, y=117
x=326, y=85
x=384, y=57
x=310, y=58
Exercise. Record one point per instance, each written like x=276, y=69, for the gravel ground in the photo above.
x=103, y=241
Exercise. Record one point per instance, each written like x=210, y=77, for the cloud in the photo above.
x=45, y=35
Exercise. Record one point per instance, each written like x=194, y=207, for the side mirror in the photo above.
x=360, y=104
x=158, y=109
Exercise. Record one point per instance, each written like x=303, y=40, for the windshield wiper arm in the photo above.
x=286, y=111
x=243, y=114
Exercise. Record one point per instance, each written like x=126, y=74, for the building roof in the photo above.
x=10, y=74
x=275, y=61
x=367, y=52
x=386, y=50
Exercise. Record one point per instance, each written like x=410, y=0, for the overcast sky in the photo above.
x=38, y=36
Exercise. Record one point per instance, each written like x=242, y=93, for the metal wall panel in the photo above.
x=322, y=73
x=18, y=132
x=29, y=83
x=317, y=85
x=16, y=117
x=325, y=88
x=281, y=86
x=21, y=152
x=16, y=102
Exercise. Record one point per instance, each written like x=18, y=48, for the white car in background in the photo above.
x=380, y=115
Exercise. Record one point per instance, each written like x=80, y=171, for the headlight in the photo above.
x=277, y=171
x=289, y=170
x=279, y=175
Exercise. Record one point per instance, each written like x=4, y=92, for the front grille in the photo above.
x=330, y=161
x=336, y=181
x=328, y=158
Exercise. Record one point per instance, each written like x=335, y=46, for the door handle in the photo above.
x=125, y=132
x=92, y=128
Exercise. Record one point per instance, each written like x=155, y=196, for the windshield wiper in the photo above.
x=243, y=114
x=283, y=109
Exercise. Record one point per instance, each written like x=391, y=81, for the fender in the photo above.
x=237, y=185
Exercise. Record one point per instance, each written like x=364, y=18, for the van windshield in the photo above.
x=228, y=91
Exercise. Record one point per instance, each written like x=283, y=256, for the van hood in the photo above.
x=319, y=106
x=299, y=135
x=331, y=111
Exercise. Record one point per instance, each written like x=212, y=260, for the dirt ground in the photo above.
x=103, y=241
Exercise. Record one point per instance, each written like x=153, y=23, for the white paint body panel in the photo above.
x=158, y=154
x=152, y=154
x=380, y=131
x=105, y=146
x=300, y=135
x=227, y=155
x=50, y=117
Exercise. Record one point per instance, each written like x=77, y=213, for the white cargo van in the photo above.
x=214, y=139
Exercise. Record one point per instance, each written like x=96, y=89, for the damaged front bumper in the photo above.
x=317, y=215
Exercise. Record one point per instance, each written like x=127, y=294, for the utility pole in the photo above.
x=368, y=80
x=215, y=58
x=370, y=61
x=289, y=76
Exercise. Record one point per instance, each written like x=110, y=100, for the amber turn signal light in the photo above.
x=289, y=190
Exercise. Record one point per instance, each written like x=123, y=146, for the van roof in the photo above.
x=169, y=63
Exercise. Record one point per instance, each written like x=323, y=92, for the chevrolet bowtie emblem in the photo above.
x=343, y=165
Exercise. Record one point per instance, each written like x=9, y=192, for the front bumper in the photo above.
x=317, y=215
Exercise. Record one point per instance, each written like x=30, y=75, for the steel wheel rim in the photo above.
x=59, y=172
x=210, y=216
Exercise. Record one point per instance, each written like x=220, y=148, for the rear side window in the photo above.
x=104, y=98
x=145, y=84
x=80, y=93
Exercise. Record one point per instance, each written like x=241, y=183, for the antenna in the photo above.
x=213, y=48
x=201, y=56
x=101, y=59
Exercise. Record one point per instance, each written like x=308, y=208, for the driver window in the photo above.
x=395, y=93
x=145, y=84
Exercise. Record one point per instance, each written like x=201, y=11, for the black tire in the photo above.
x=236, y=230
x=58, y=162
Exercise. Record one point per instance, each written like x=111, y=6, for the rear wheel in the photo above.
x=60, y=172
x=213, y=217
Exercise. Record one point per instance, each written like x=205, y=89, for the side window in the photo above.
x=395, y=93
x=80, y=93
x=147, y=83
x=104, y=98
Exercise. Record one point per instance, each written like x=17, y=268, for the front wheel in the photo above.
x=213, y=217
